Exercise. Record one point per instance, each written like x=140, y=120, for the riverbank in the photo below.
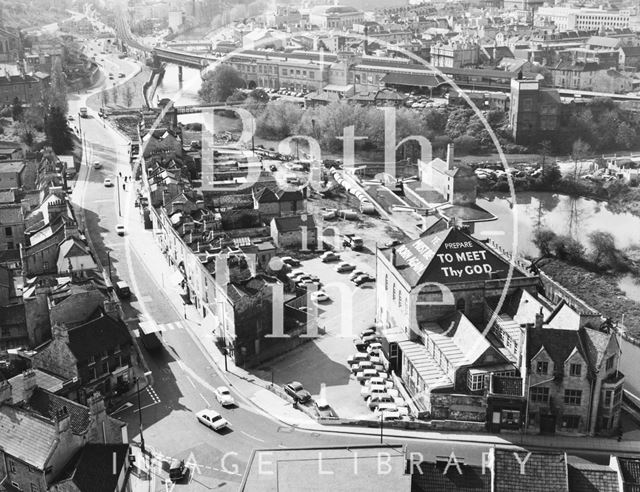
x=600, y=291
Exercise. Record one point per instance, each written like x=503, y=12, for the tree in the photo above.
x=603, y=245
x=259, y=96
x=543, y=239
x=237, y=96
x=551, y=174
x=579, y=150
x=626, y=136
x=128, y=95
x=57, y=94
x=57, y=131
x=567, y=248
x=104, y=96
x=220, y=84
x=16, y=109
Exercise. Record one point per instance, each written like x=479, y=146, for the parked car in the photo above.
x=366, y=374
x=319, y=296
x=177, y=470
x=329, y=256
x=374, y=348
x=356, y=358
x=360, y=345
x=223, y=395
x=212, y=419
x=324, y=409
x=108, y=183
x=296, y=391
x=369, y=339
x=120, y=230
x=363, y=279
x=368, y=331
x=290, y=261
x=345, y=267
x=375, y=400
x=273, y=168
x=380, y=380
x=361, y=366
x=373, y=389
x=355, y=274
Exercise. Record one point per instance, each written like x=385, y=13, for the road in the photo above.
x=183, y=373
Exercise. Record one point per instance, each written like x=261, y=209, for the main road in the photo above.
x=184, y=375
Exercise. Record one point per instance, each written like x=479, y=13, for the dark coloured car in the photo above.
x=177, y=470
x=295, y=390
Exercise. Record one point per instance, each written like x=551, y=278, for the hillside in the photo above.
x=33, y=13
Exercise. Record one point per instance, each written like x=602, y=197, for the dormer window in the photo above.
x=542, y=367
x=575, y=370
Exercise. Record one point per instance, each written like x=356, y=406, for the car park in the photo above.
x=345, y=267
x=296, y=391
x=212, y=419
x=223, y=395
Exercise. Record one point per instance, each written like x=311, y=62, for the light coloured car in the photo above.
x=357, y=358
x=329, y=256
x=374, y=348
x=212, y=419
x=97, y=165
x=375, y=400
x=361, y=366
x=319, y=296
x=372, y=389
x=108, y=183
x=120, y=229
x=380, y=380
x=366, y=374
x=223, y=395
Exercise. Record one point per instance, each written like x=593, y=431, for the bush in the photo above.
x=544, y=240
x=567, y=248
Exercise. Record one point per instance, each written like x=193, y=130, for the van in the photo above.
x=122, y=290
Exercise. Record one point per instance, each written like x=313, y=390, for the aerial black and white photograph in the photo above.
x=319, y=245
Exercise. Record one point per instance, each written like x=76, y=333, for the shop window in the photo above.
x=570, y=421
x=510, y=417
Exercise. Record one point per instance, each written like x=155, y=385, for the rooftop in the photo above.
x=28, y=437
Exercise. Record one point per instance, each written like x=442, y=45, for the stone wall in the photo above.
x=468, y=408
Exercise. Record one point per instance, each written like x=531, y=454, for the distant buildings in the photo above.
x=569, y=18
x=335, y=17
x=455, y=54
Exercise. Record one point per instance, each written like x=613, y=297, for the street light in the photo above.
x=381, y=426
x=148, y=373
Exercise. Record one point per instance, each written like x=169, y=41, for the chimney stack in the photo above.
x=539, y=319
x=450, y=156
x=29, y=378
x=59, y=332
x=63, y=420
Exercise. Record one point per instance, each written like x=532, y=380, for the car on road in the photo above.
x=120, y=229
x=329, y=256
x=223, y=395
x=212, y=419
x=363, y=279
x=121, y=75
x=108, y=183
x=345, y=267
x=97, y=165
x=296, y=391
x=177, y=470
x=319, y=296
x=392, y=243
x=324, y=409
x=70, y=118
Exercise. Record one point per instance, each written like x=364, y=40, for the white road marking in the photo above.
x=205, y=400
x=191, y=381
x=252, y=437
x=122, y=407
x=146, y=406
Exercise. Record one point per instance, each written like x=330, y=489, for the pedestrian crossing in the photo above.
x=163, y=327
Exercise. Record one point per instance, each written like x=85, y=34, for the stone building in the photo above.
x=533, y=112
x=294, y=231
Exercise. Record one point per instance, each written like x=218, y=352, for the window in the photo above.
x=575, y=369
x=571, y=421
x=386, y=282
x=542, y=367
x=45, y=265
x=105, y=367
x=10, y=245
x=573, y=397
x=607, y=398
x=284, y=71
x=92, y=359
x=393, y=295
x=399, y=298
x=617, y=396
x=609, y=363
x=539, y=394
x=8, y=231
x=92, y=373
x=475, y=381
x=12, y=466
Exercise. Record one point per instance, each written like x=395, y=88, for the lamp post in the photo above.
x=118, y=190
x=381, y=426
x=140, y=410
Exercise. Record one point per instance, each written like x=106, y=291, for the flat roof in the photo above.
x=353, y=468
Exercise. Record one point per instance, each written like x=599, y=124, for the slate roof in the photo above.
x=412, y=79
x=11, y=166
x=25, y=436
x=77, y=307
x=587, y=477
x=91, y=470
x=289, y=195
x=630, y=470
x=266, y=195
x=96, y=336
x=44, y=380
x=631, y=50
x=48, y=405
x=505, y=385
x=559, y=344
x=429, y=477
x=543, y=472
x=294, y=222
x=595, y=344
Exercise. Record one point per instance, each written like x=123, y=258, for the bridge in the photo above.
x=197, y=45
x=182, y=58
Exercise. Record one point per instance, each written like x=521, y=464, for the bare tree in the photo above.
x=115, y=94
x=579, y=151
x=105, y=98
x=128, y=95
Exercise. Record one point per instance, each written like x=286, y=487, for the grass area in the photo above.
x=599, y=290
